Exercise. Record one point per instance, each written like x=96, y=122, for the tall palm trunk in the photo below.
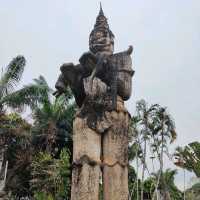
x=157, y=193
x=137, y=180
x=162, y=192
x=184, y=183
x=166, y=194
x=161, y=160
x=143, y=169
x=137, y=176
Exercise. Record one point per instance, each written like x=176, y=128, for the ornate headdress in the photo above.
x=101, y=38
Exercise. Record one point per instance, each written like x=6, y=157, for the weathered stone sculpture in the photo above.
x=100, y=83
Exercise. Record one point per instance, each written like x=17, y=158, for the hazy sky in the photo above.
x=165, y=36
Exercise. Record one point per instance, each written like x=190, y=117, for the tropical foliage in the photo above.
x=188, y=157
x=193, y=193
x=15, y=140
x=154, y=130
x=39, y=152
x=10, y=77
x=52, y=127
x=167, y=187
x=50, y=176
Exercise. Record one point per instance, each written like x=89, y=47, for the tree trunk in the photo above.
x=143, y=169
x=3, y=195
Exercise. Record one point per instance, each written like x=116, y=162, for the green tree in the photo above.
x=166, y=187
x=15, y=133
x=52, y=127
x=29, y=95
x=10, y=78
x=188, y=157
x=50, y=176
x=193, y=193
x=149, y=187
x=142, y=132
x=154, y=130
x=15, y=137
x=51, y=132
x=162, y=135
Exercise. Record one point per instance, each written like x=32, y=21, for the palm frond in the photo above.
x=29, y=95
x=12, y=75
x=40, y=81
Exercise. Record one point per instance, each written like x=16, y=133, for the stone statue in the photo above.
x=100, y=84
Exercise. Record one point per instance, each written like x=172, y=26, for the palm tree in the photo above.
x=154, y=126
x=50, y=132
x=14, y=132
x=8, y=81
x=50, y=176
x=15, y=141
x=29, y=95
x=193, y=193
x=163, y=133
x=141, y=130
x=52, y=127
x=10, y=78
x=188, y=157
x=167, y=187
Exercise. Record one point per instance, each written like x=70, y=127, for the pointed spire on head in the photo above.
x=101, y=20
x=101, y=9
x=101, y=34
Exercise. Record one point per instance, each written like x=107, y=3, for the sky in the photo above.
x=165, y=36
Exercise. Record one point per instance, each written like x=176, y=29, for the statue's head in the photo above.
x=101, y=38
